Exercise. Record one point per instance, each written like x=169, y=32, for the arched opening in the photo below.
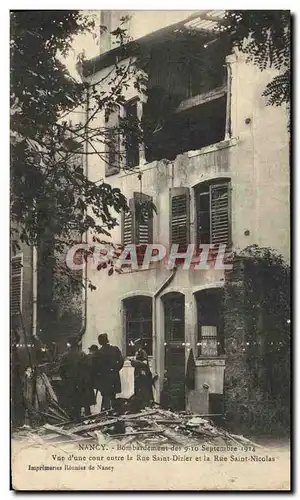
x=138, y=323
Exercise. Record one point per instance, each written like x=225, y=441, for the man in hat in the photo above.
x=108, y=363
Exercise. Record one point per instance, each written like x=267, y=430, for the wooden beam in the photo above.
x=63, y=432
x=199, y=99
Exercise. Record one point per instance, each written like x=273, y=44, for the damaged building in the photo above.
x=214, y=161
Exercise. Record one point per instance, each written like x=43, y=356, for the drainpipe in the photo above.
x=84, y=309
x=34, y=291
x=156, y=294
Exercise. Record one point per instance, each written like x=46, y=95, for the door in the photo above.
x=175, y=350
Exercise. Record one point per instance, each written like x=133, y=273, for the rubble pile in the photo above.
x=151, y=426
x=49, y=423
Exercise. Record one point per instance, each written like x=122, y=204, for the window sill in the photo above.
x=227, y=143
x=211, y=360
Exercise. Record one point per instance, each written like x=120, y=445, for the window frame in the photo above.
x=112, y=135
x=219, y=324
x=130, y=102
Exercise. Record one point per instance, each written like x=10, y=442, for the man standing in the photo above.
x=109, y=362
x=77, y=390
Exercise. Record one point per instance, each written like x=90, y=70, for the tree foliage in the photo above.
x=268, y=35
x=51, y=195
x=258, y=380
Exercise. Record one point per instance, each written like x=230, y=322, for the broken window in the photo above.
x=187, y=95
x=213, y=217
x=16, y=283
x=210, y=340
x=188, y=130
x=138, y=323
x=131, y=134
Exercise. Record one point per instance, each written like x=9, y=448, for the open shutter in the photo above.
x=143, y=228
x=112, y=145
x=128, y=225
x=180, y=217
x=16, y=284
x=220, y=213
x=202, y=216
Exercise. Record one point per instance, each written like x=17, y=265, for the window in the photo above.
x=16, y=283
x=174, y=317
x=213, y=225
x=180, y=217
x=131, y=134
x=112, y=144
x=137, y=224
x=138, y=323
x=210, y=322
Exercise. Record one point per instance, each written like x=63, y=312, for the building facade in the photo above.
x=216, y=166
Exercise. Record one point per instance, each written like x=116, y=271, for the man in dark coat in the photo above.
x=108, y=362
x=77, y=388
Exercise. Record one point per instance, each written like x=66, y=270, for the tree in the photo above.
x=268, y=35
x=53, y=202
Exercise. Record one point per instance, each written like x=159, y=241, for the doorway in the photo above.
x=175, y=350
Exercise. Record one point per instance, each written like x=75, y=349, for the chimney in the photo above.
x=105, y=36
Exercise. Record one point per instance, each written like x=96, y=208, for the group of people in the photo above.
x=84, y=375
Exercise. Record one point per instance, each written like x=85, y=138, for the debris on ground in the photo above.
x=127, y=423
x=149, y=426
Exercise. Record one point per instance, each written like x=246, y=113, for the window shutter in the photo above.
x=134, y=230
x=128, y=224
x=202, y=216
x=219, y=209
x=112, y=145
x=180, y=217
x=143, y=229
x=16, y=284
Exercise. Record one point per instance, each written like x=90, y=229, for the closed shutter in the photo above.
x=180, y=217
x=128, y=225
x=16, y=284
x=219, y=208
x=112, y=145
